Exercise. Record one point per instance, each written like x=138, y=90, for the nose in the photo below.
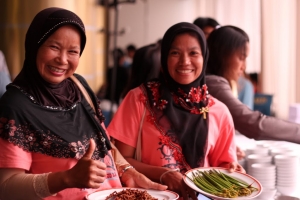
x=185, y=59
x=62, y=58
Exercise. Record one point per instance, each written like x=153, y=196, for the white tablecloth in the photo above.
x=246, y=143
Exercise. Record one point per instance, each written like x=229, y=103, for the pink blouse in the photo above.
x=125, y=125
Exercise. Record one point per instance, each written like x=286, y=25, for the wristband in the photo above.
x=40, y=185
x=171, y=170
x=125, y=169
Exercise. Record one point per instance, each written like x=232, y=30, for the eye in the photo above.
x=195, y=53
x=174, y=52
x=243, y=57
x=74, y=51
x=54, y=47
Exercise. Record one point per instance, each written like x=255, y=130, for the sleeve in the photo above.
x=12, y=156
x=252, y=124
x=223, y=141
x=13, y=162
x=125, y=123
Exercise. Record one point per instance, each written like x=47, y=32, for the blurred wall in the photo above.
x=16, y=16
x=298, y=55
x=279, y=47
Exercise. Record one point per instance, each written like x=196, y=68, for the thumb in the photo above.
x=91, y=149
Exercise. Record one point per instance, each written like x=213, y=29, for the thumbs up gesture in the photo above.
x=87, y=173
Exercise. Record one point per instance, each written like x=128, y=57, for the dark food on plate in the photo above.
x=131, y=194
x=220, y=184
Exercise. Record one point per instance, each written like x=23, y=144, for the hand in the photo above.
x=87, y=173
x=175, y=182
x=132, y=178
x=233, y=166
x=240, y=153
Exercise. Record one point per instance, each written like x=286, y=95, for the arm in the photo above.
x=37, y=186
x=171, y=178
x=222, y=152
x=131, y=177
x=252, y=124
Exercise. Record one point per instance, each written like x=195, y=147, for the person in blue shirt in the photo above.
x=4, y=74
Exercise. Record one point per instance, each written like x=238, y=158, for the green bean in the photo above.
x=220, y=184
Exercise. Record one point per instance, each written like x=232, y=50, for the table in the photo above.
x=246, y=143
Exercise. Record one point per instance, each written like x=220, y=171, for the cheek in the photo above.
x=170, y=65
x=74, y=63
x=40, y=63
x=200, y=66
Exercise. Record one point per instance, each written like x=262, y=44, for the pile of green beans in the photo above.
x=220, y=184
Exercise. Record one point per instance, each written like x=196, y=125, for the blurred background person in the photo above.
x=130, y=51
x=245, y=90
x=242, y=90
x=207, y=24
x=228, y=50
x=5, y=78
x=254, y=78
x=145, y=66
x=110, y=92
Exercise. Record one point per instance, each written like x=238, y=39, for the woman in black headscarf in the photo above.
x=183, y=127
x=52, y=136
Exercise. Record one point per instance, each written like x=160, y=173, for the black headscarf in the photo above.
x=44, y=24
x=190, y=129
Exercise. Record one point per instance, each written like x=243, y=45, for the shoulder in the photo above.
x=81, y=79
x=134, y=94
x=83, y=82
x=214, y=82
x=218, y=87
x=218, y=105
x=13, y=94
x=219, y=110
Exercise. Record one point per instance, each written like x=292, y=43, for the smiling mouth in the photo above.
x=54, y=69
x=185, y=71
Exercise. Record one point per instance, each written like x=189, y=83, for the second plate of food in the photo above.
x=129, y=193
x=219, y=183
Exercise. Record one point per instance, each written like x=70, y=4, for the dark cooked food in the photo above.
x=130, y=194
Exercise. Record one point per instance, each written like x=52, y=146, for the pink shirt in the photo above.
x=125, y=125
x=12, y=156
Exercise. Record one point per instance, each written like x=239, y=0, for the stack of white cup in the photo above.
x=265, y=173
x=287, y=173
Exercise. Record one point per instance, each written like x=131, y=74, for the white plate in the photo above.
x=243, y=177
x=160, y=195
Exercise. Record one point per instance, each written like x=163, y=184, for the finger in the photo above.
x=232, y=167
x=101, y=165
x=91, y=149
x=157, y=186
x=185, y=194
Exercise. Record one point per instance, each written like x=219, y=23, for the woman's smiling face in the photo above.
x=58, y=57
x=185, y=60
